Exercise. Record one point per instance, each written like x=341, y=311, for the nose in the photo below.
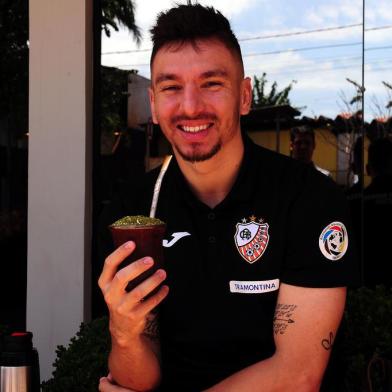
x=192, y=101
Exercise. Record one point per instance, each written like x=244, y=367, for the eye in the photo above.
x=212, y=84
x=171, y=87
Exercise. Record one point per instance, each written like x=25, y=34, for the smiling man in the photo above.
x=252, y=294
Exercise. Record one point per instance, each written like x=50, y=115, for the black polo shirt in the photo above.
x=282, y=221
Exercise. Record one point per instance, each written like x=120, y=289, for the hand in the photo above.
x=106, y=385
x=128, y=310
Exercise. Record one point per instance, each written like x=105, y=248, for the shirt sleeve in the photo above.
x=320, y=248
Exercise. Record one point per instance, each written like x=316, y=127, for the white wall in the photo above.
x=59, y=214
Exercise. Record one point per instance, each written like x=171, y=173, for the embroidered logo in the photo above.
x=333, y=241
x=176, y=237
x=251, y=239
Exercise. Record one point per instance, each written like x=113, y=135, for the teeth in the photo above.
x=195, y=129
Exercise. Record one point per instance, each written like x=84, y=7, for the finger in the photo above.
x=128, y=273
x=138, y=293
x=152, y=302
x=113, y=261
x=106, y=386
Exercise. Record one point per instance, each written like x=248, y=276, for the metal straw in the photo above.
x=158, y=183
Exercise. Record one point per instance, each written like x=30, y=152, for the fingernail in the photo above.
x=128, y=245
x=161, y=273
x=147, y=260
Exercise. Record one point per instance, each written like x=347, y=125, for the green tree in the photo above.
x=261, y=97
x=14, y=28
x=14, y=63
x=114, y=99
x=117, y=13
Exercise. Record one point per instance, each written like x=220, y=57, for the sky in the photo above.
x=318, y=61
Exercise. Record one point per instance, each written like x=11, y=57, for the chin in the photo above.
x=196, y=155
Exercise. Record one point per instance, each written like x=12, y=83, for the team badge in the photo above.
x=333, y=241
x=251, y=239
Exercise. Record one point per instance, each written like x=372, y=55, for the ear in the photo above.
x=152, y=105
x=246, y=96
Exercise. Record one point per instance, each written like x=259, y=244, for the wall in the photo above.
x=59, y=207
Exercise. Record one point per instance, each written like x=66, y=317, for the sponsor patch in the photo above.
x=251, y=239
x=254, y=287
x=333, y=241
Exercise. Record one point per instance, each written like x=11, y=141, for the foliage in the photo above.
x=80, y=366
x=357, y=98
x=114, y=99
x=272, y=98
x=14, y=29
x=117, y=13
x=367, y=331
x=389, y=87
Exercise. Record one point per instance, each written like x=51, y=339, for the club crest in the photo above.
x=251, y=239
x=333, y=241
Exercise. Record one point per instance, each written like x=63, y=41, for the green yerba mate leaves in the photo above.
x=137, y=220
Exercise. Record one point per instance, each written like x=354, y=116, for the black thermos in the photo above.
x=19, y=365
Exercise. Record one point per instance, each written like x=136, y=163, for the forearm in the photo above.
x=270, y=375
x=305, y=324
x=135, y=366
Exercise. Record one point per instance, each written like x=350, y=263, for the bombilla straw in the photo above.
x=158, y=183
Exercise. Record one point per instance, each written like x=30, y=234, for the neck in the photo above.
x=212, y=180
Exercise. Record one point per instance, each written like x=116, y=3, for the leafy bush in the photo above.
x=367, y=334
x=79, y=366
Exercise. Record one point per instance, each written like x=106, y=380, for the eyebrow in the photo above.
x=214, y=73
x=163, y=77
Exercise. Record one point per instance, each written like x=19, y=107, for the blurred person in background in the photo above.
x=303, y=144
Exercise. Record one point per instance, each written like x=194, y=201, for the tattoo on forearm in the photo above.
x=151, y=330
x=283, y=317
x=328, y=342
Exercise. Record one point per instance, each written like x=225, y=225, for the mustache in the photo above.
x=200, y=116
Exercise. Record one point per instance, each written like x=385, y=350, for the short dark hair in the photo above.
x=302, y=130
x=380, y=156
x=189, y=23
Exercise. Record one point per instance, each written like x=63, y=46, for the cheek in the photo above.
x=224, y=103
x=164, y=108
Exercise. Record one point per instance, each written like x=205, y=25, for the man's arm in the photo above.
x=134, y=357
x=305, y=325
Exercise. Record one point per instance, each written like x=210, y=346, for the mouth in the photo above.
x=194, y=129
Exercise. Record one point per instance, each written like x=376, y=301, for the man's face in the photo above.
x=303, y=147
x=197, y=97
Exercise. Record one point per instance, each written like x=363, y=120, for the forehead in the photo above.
x=198, y=57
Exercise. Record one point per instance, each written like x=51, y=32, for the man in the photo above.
x=303, y=144
x=253, y=291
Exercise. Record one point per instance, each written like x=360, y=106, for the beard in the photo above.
x=199, y=156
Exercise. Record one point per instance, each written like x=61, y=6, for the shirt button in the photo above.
x=211, y=216
x=212, y=239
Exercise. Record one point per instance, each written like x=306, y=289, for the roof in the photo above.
x=267, y=116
